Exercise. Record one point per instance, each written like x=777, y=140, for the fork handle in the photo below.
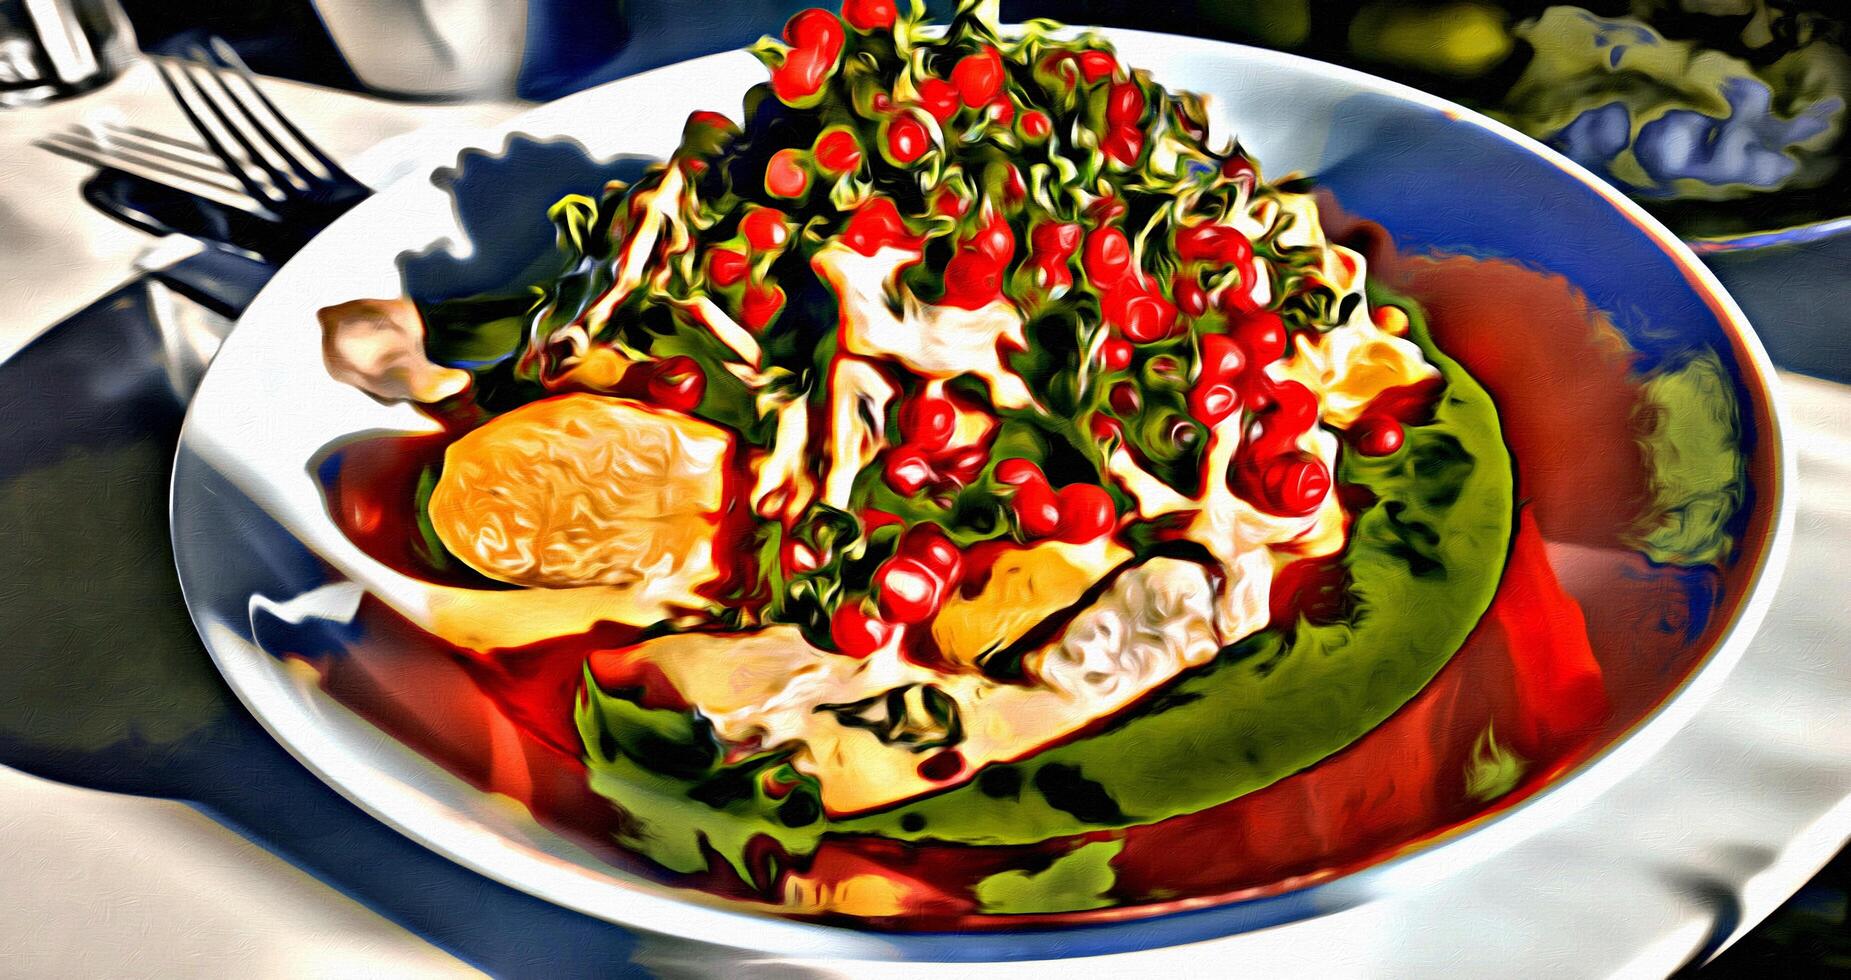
x=100, y=193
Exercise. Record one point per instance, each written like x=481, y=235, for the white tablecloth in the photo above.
x=93, y=884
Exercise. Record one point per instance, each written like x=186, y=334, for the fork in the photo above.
x=260, y=183
x=278, y=166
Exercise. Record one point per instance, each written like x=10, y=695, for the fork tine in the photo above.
x=211, y=176
x=265, y=149
x=186, y=183
x=198, y=158
x=203, y=153
x=187, y=93
x=260, y=147
x=229, y=56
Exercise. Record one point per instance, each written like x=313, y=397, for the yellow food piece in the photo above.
x=601, y=369
x=866, y=895
x=1024, y=588
x=583, y=490
x=1349, y=366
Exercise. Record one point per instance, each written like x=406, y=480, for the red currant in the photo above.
x=1036, y=125
x=1262, y=336
x=929, y=544
x=1125, y=104
x=677, y=383
x=785, y=176
x=765, y=229
x=1107, y=258
x=909, y=591
x=1115, y=354
x=1124, y=399
x=877, y=225
x=907, y=139
x=726, y=266
x=1037, y=509
x=1145, y=317
x=978, y=77
x=907, y=470
x=1086, y=512
x=962, y=466
x=1095, y=65
x=928, y=421
x=762, y=304
x=837, y=151
x=1018, y=473
x=1190, y=298
x=1124, y=144
x=1055, y=238
x=938, y=97
x=815, y=37
x=1222, y=359
x=797, y=558
x=869, y=15
x=1212, y=401
x=1378, y=435
x=1295, y=484
x=857, y=634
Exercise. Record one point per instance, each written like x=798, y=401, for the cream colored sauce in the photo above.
x=737, y=338
x=858, y=398
x=938, y=342
x=782, y=487
x=1154, y=498
x=648, y=212
x=1257, y=220
x=1295, y=224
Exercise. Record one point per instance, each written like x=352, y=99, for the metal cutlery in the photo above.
x=277, y=165
x=252, y=179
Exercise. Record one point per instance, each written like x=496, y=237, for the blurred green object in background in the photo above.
x=1461, y=39
x=1674, y=119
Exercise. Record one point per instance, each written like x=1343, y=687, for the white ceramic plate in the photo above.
x=251, y=530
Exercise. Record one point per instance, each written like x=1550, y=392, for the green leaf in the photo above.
x=476, y=332
x=1077, y=880
x=1691, y=434
x=662, y=768
x=1493, y=769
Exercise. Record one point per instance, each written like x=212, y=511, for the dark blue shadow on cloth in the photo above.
x=104, y=684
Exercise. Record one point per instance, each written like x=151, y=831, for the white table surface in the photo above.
x=96, y=884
